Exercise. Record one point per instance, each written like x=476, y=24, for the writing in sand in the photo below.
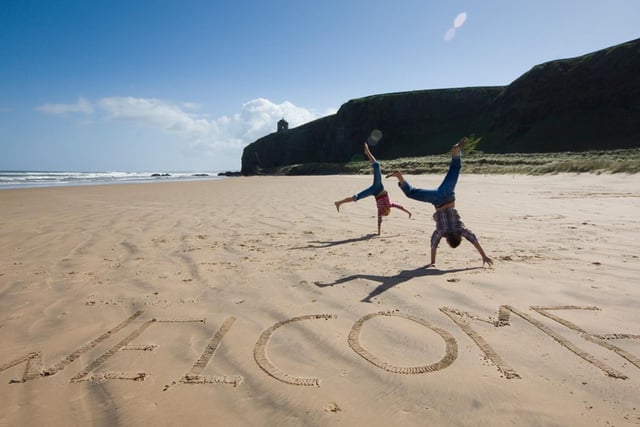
x=34, y=361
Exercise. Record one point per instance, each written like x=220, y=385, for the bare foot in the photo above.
x=455, y=150
x=397, y=174
x=337, y=205
x=460, y=144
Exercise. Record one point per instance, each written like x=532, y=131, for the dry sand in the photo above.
x=252, y=302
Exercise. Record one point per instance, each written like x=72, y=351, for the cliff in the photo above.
x=584, y=103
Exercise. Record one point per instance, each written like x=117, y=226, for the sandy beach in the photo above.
x=252, y=302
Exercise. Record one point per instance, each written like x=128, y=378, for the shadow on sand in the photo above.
x=318, y=244
x=388, y=282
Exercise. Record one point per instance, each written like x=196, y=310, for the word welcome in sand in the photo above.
x=34, y=369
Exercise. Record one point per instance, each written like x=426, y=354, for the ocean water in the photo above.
x=27, y=179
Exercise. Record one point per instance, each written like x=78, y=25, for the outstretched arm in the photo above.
x=435, y=241
x=468, y=234
x=433, y=257
x=394, y=205
x=485, y=258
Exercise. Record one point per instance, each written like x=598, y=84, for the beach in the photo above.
x=251, y=301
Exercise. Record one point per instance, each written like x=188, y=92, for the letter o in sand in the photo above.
x=451, y=349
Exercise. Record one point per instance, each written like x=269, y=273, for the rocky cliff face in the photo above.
x=589, y=102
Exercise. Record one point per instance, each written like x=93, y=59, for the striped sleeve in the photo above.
x=435, y=238
x=468, y=234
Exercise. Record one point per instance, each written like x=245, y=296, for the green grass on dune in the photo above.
x=612, y=161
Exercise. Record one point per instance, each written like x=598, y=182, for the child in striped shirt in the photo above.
x=376, y=189
x=448, y=222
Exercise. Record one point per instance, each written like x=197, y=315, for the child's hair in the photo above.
x=454, y=239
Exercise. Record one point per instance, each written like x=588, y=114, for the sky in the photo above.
x=185, y=85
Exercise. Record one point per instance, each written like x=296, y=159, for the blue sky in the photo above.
x=160, y=85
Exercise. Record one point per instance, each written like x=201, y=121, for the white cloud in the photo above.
x=155, y=113
x=256, y=118
x=458, y=22
x=82, y=107
x=191, y=105
x=259, y=116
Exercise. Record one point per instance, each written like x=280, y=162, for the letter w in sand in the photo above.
x=34, y=366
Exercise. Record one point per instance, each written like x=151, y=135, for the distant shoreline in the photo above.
x=45, y=179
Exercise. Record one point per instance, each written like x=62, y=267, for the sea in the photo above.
x=31, y=179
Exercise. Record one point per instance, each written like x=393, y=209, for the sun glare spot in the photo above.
x=459, y=21
x=448, y=36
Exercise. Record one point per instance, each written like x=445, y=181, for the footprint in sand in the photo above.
x=332, y=407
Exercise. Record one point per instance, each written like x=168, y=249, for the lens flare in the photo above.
x=459, y=21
